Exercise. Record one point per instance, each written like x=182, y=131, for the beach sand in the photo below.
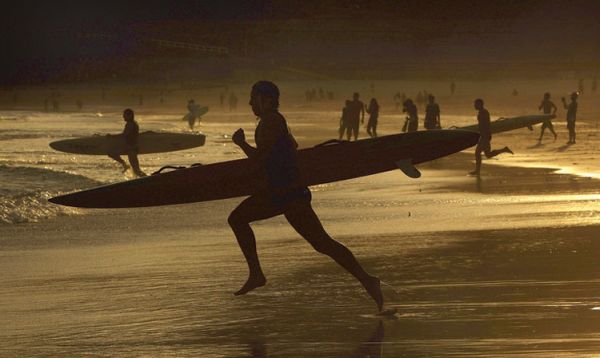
x=520, y=278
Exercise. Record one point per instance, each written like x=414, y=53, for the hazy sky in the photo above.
x=40, y=34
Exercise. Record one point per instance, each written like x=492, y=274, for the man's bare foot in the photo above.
x=373, y=287
x=125, y=167
x=252, y=283
x=507, y=150
x=474, y=173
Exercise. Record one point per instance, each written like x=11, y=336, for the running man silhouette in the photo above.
x=549, y=108
x=275, y=155
x=485, y=137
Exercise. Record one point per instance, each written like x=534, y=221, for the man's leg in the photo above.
x=135, y=164
x=478, y=151
x=305, y=221
x=251, y=209
x=118, y=158
x=551, y=127
x=544, y=125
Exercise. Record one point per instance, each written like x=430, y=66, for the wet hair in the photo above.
x=479, y=100
x=267, y=89
x=431, y=97
x=355, y=94
x=374, y=101
x=348, y=102
x=128, y=113
x=547, y=94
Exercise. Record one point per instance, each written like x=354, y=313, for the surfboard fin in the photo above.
x=408, y=168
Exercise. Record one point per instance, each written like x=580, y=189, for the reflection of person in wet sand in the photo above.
x=275, y=154
x=130, y=134
x=192, y=115
x=485, y=137
x=549, y=108
x=571, y=116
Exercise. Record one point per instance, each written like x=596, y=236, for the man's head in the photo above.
x=264, y=97
x=128, y=115
x=478, y=104
x=547, y=95
x=431, y=98
x=348, y=102
x=574, y=96
x=355, y=96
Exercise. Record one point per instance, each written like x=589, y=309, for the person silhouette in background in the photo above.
x=275, y=157
x=549, y=108
x=412, y=117
x=571, y=115
x=356, y=116
x=130, y=135
x=373, y=111
x=485, y=137
x=344, y=121
x=432, y=114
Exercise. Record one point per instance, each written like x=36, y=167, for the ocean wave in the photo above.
x=25, y=192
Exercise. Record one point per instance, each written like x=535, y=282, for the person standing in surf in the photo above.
x=356, y=116
x=549, y=108
x=130, y=134
x=275, y=156
x=344, y=120
x=432, y=114
x=373, y=111
x=412, y=120
x=485, y=137
x=571, y=115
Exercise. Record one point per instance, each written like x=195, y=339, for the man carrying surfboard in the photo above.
x=485, y=137
x=130, y=134
x=275, y=157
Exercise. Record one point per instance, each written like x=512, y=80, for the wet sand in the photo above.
x=480, y=269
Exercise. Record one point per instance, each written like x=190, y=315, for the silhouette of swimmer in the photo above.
x=485, y=137
x=130, y=133
x=412, y=119
x=356, y=115
x=571, y=115
x=549, y=108
x=373, y=111
x=432, y=114
x=344, y=120
x=275, y=153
